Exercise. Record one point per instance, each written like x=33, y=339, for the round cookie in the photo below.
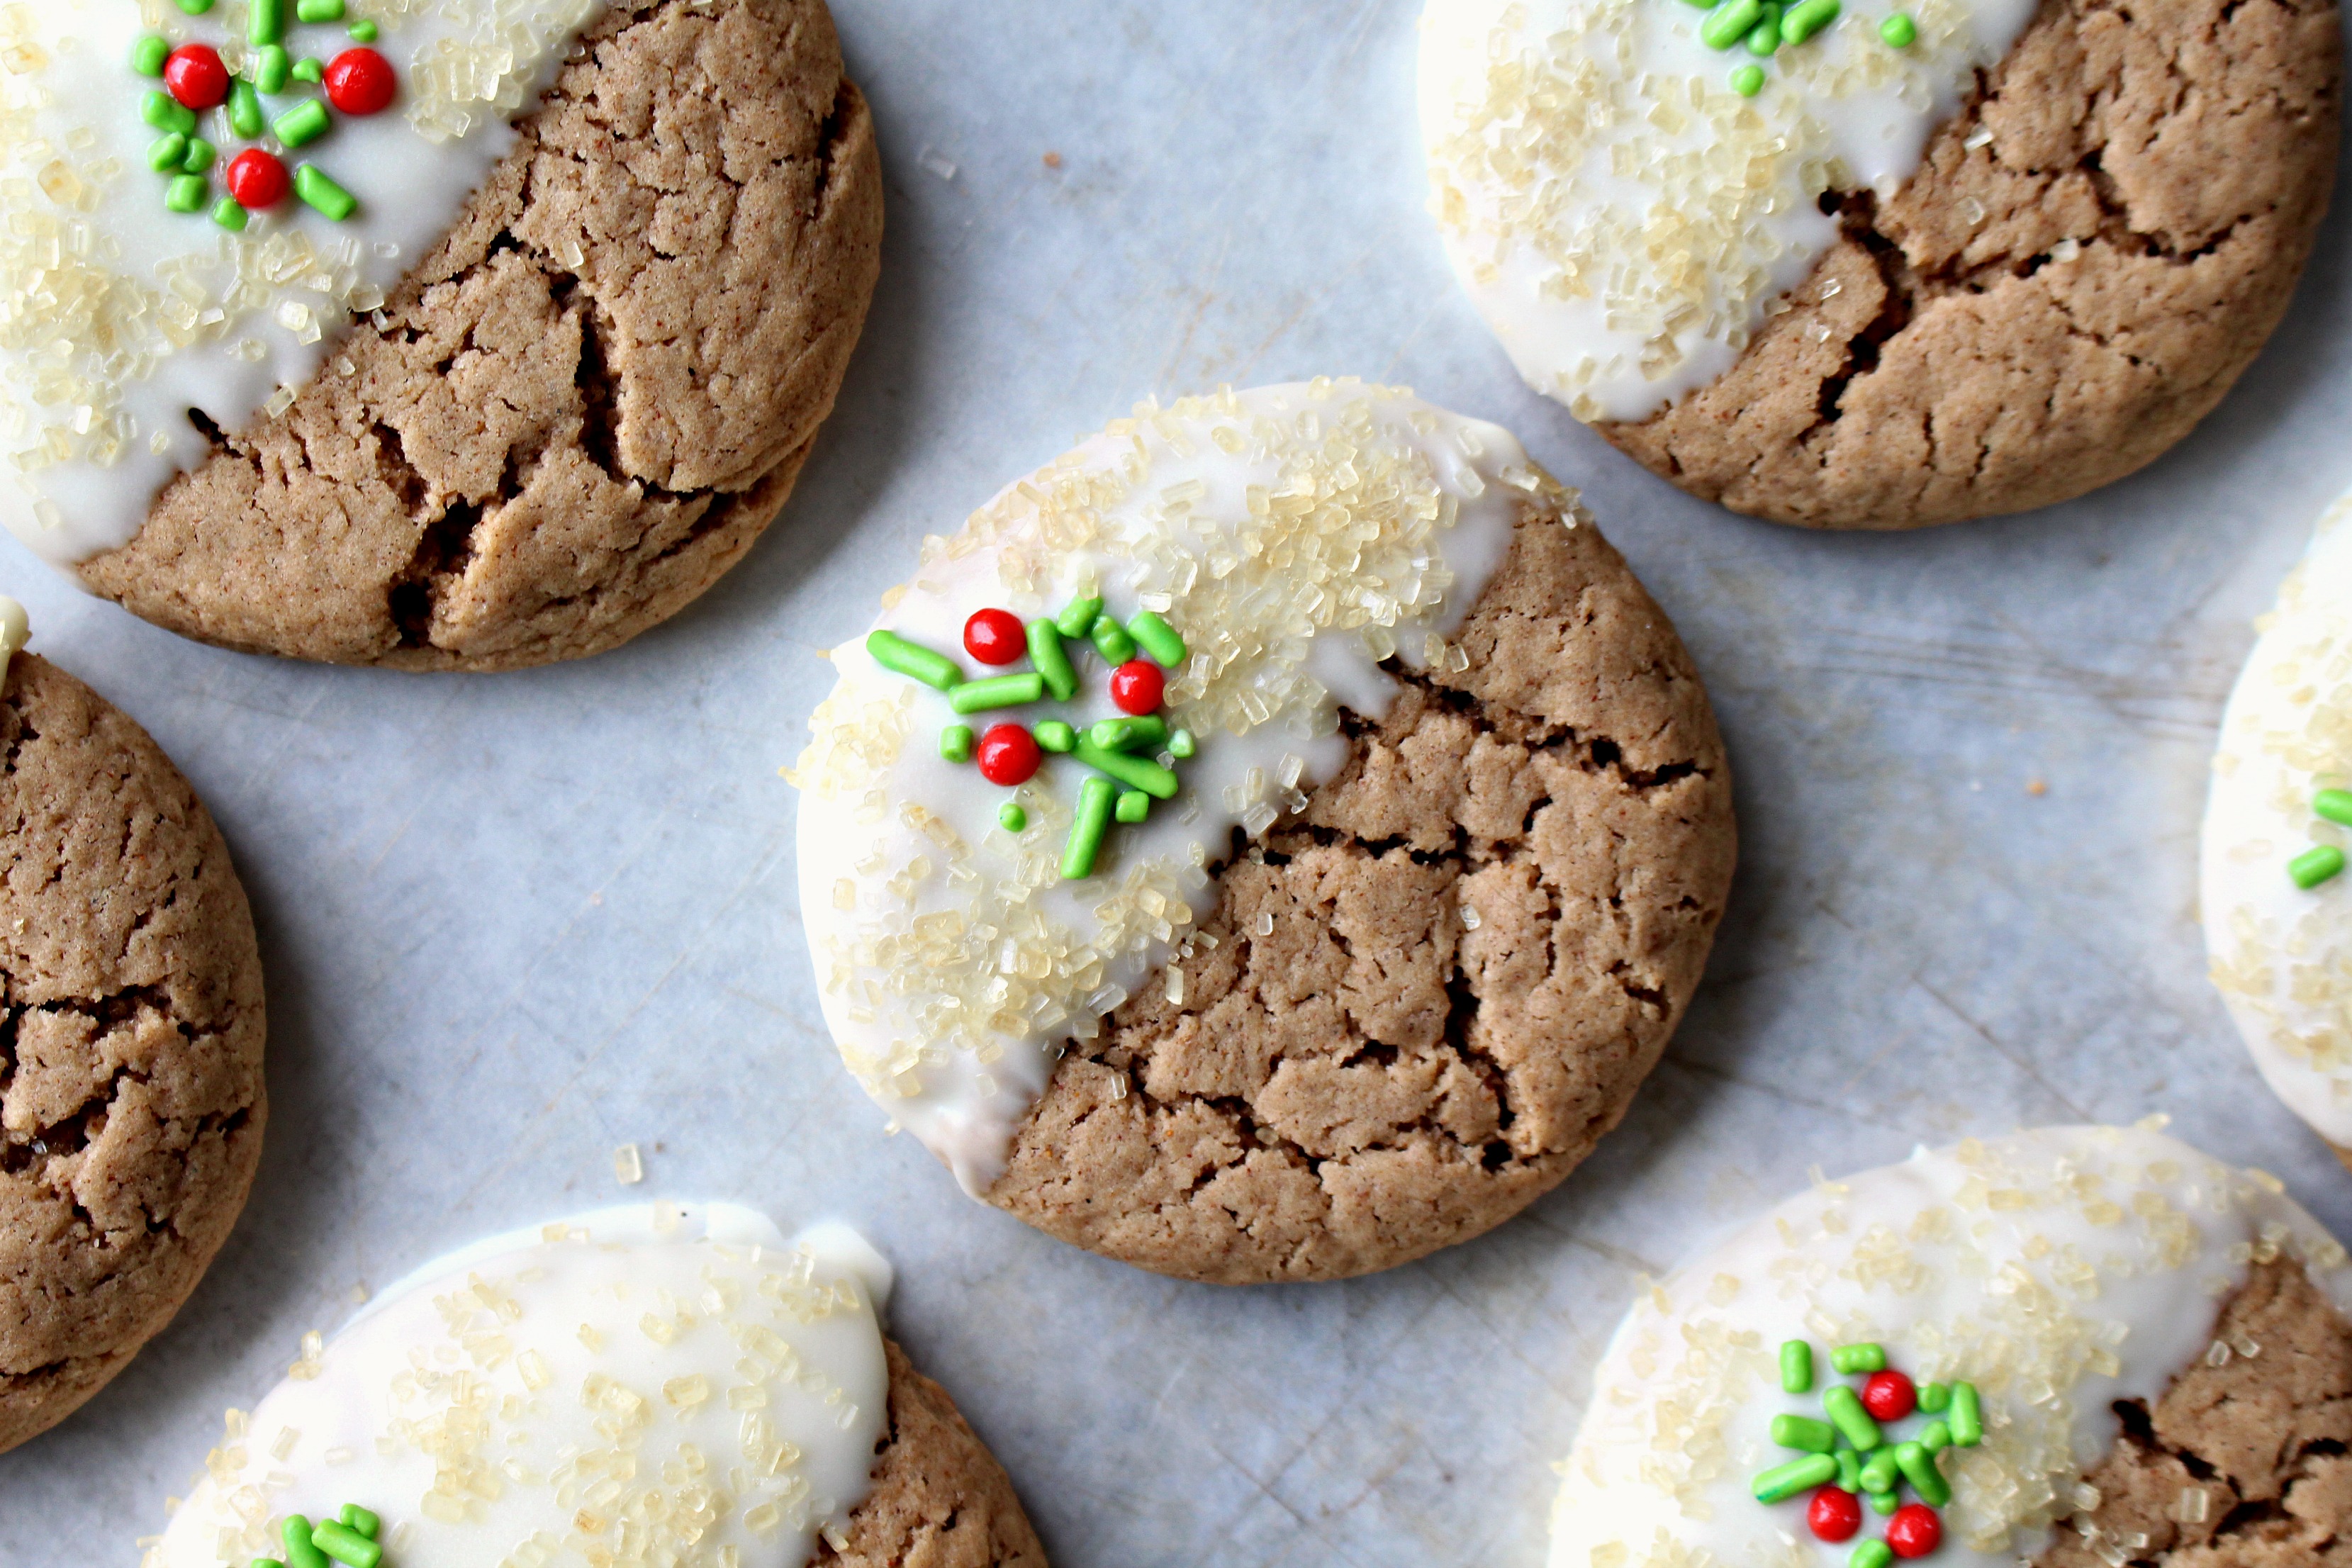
x=2277, y=909
x=2071, y=1346
x=1441, y=837
x=653, y=1383
x=132, y=1101
x=2009, y=259
x=551, y=376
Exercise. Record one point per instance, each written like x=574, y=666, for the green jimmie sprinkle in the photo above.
x=912, y=660
x=1111, y=640
x=1077, y=617
x=996, y=691
x=1784, y=1481
x=1804, y=1432
x=1097, y=799
x=1155, y=637
x=1046, y=653
x=1136, y=772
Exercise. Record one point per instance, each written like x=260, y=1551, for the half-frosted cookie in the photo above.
x=467, y=335
x=1272, y=841
x=652, y=1384
x=2277, y=906
x=2070, y=1347
x=130, y=1088
x=1881, y=264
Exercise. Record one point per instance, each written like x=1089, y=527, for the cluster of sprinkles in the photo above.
x=1851, y=1458
x=2322, y=862
x=1129, y=778
x=196, y=79
x=1767, y=27
x=348, y=1537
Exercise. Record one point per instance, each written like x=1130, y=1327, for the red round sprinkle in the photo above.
x=994, y=637
x=361, y=81
x=1834, y=1514
x=1007, y=754
x=257, y=179
x=197, y=79
x=1889, y=1397
x=1137, y=686
x=1915, y=1530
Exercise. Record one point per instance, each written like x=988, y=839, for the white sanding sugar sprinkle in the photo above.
x=1295, y=537
x=117, y=317
x=2058, y=1270
x=2282, y=955
x=1623, y=218
x=625, y=1388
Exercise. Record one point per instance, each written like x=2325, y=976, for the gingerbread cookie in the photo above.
x=130, y=1088
x=1885, y=264
x=1326, y=869
x=650, y=1383
x=2075, y=1345
x=469, y=335
x=2277, y=906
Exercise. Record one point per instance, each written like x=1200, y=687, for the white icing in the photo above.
x=2059, y=1271
x=953, y=960
x=1624, y=220
x=2282, y=956
x=118, y=316
x=681, y=1378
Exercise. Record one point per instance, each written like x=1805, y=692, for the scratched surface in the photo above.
x=513, y=922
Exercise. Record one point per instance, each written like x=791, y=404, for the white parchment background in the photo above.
x=514, y=921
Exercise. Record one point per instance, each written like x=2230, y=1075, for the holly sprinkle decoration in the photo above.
x=1119, y=750
x=1851, y=1458
x=197, y=82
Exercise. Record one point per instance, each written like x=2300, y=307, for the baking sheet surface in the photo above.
x=511, y=924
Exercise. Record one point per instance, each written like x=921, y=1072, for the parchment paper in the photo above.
x=511, y=922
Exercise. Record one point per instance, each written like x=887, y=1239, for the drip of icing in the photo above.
x=117, y=317
x=1625, y=221
x=1295, y=536
x=16, y=631
x=681, y=1376
x=2283, y=956
x=2059, y=1271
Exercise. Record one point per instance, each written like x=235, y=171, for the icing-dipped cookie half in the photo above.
x=2071, y=1346
x=652, y=1384
x=2278, y=822
x=1879, y=264
x=1327, y=867
x=469, y=335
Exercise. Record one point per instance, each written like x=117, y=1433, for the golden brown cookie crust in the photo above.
x=130, y=1088
x=1950, y=358
x=536, y=458
x=2262, y=1437
x=940, y=1498
x=1374, y=1076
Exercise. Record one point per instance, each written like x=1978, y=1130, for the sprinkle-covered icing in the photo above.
x=2054, y=1271
x=1623, y=215
x=117, y=315
x=2280, y=952
x=1292, y=538
x=637, y=1385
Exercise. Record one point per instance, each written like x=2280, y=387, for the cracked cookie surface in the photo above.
x=940, y=1498
x=591, y=397
x=1435, y=989
x=2241, y=1465
x=2088, y=257
x=131, y=1069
